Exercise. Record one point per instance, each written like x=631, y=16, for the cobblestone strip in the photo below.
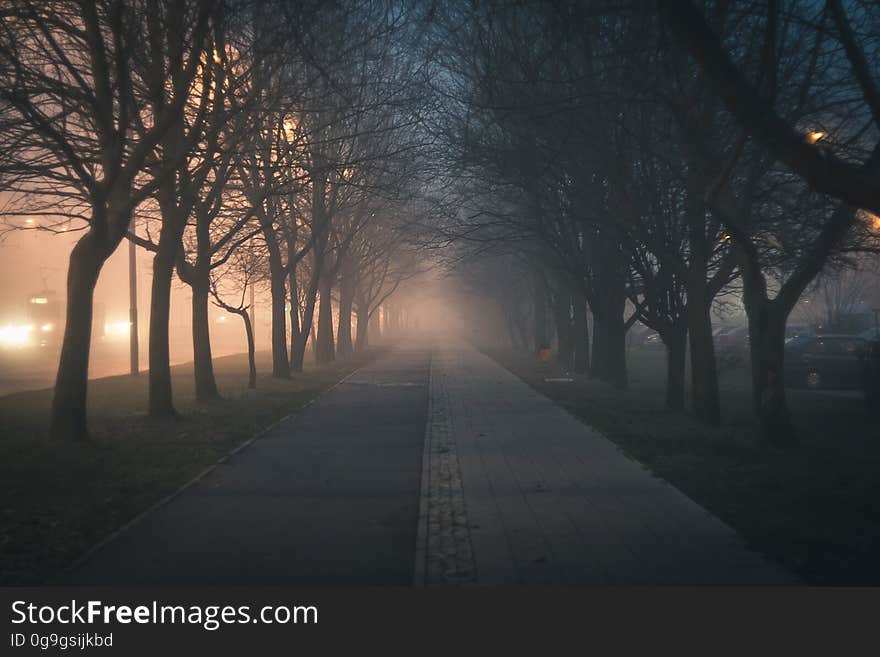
x=444, y=556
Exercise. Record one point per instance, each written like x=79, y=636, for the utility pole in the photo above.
x=132, y=307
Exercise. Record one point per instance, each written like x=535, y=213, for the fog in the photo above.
x=442, y=258
x=34, y=263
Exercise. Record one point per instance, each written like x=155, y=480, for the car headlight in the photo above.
x=15, y=335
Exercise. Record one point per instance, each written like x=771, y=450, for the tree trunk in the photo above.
x=767, y=319
x=676, y=352
x=174, y=212
x=280, y=362
x=278, y=291
x=362, y=339
x=581, y=336
x=614, y=349
x=203, y=364
x=68, y=420
x=347, y=289
x=161, y=402
x=704, y=373
x=343, y=331
x=375, y=328
x=767, y=353
x=297, y=358
x=320, y=226
x=539, y=311
x=324, y=351
x=598, y=331
x=293, y=313
x=609, y=336
x=564, y=337
x=607, y=303
x=293, y=289
x=252, y=363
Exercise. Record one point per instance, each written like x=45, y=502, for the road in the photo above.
x=34, y=368
x=432, y=466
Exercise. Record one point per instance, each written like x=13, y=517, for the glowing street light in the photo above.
x=815, y=136
x=16, y=335
x=870, y=218
x=290, y=127
x=117, y=330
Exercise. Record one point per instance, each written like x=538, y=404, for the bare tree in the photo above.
x=789, y=90
x=78, y=135
x=238, y=275
x=853, y=182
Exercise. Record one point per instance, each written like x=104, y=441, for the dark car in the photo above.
x=824, y=361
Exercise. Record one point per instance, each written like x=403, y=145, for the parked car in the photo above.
x=824, y=361
x=797, y=330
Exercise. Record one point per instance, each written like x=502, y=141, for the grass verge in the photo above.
x=59, y=499
x=814, y=508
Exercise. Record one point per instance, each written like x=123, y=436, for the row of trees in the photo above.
x=646, y=163
x=240, y=142
x=590, y=159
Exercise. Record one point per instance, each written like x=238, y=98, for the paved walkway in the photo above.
x=504, y=487
x=328, y=498
x=521, y=493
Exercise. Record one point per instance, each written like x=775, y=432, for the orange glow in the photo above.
x=117, y=329
x=870, y=218
x=290, y=128
x=816, y=136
